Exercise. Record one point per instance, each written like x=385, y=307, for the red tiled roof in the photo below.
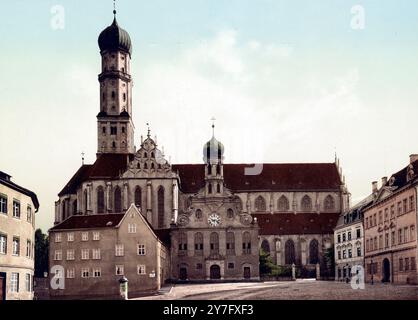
x=300, y=223
x=106, y=166
x=277, y=176
x=110, y=220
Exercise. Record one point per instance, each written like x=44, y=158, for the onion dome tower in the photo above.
x=213, y=156
x=114, y=121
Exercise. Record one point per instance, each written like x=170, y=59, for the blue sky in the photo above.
x=288, y=81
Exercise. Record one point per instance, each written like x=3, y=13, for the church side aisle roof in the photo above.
x=300, y=223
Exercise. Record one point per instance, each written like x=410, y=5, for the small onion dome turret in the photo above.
x=213, y=151
x=114, y=38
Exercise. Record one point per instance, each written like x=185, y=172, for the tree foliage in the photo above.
x=41, y=253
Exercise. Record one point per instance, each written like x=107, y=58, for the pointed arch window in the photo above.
x=100, y=200
x=289, y=252
x=265, y=246
x=218, y=169
x=306, y=203
x=198, y=243
x=210, y=188
x=283, y=204
x=160, y=201
x=113, y=95
x=329, y=203
x=209, y=169
x=214, y=243
x=218, y=188
x=313, y=252
x=138, y=196
x=118, y=200
x=260, y=204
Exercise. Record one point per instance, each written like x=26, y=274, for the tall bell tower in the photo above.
x=115, y=129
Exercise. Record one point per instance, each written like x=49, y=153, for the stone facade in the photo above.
x=17, y=239
x=217, y=215
x=95, y=253
x=391, y=229
x=349, y=241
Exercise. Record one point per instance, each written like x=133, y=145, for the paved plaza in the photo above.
x=289, y=290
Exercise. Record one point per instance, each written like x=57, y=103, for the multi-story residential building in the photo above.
x=17, y=240
x=90, y=254
x=349, y=241
x=390, y=225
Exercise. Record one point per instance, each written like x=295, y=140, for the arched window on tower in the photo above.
x=313, y=252
x=118, y=200
x=230, y=243
x=198, y=244
x=230, y=213
x=209, y=169
x=100, y=200
x=265, y=246
x=283, y=204
x=113, y=95
x=329, y=203
x=218, y=188
x=306, y=203
x=289, y=252
x=260, y=204
x=210, y=188
x=160, y=201
x=138, y=197
x=214, y=243
x=182, y=243
x=113, y=144
x=246, y=243
x=218, y=169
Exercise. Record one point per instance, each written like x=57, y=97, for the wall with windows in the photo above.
x=17, y=241
x=95, y=259
x=349, y=249
x=391, y=226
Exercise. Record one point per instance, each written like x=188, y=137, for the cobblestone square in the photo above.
x=289, y=290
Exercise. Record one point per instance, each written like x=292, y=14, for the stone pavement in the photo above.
x=288, y=290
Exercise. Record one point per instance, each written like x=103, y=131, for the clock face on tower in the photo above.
x=214, y=220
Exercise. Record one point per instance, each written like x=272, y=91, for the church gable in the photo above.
x=148, y=162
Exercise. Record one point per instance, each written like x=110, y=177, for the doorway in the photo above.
x=215, y=272
x=247, y=273
x=386, y=270
x=183, y=273
x=2, y=286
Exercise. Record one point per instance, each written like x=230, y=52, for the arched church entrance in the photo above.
x=215, y=272
x=183, y=273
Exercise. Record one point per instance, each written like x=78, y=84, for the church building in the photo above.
x=215, y=215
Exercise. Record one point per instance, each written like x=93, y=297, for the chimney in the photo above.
x=413, y=158
x=384, y=181
x=374, y=186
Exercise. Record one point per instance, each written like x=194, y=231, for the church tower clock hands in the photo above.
x=114, y=121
